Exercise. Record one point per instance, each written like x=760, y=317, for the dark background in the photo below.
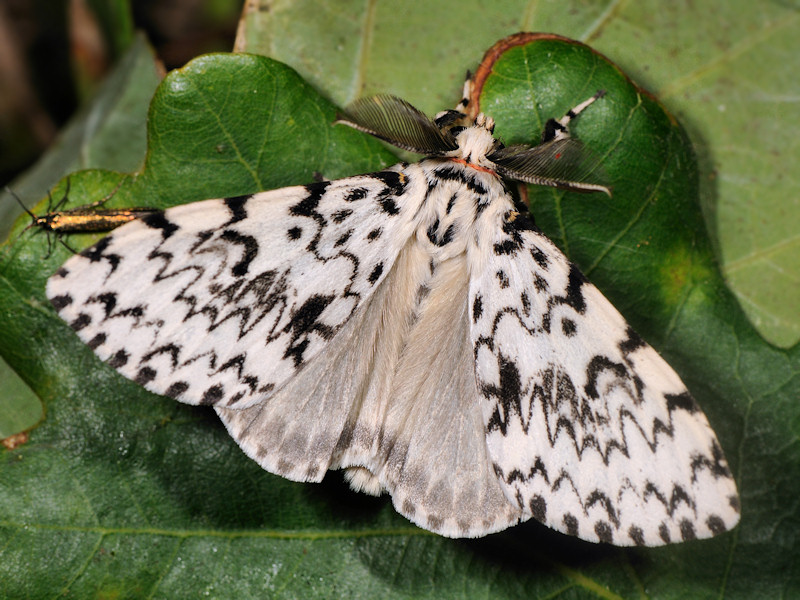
x=54, y=53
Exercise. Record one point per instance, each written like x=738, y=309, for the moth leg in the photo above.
x=466, y=94
x=557, y=129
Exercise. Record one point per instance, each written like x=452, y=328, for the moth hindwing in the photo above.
x=411, y=327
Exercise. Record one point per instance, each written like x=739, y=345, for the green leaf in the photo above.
x=730, y=79
x=108, y=133
x=121, y=493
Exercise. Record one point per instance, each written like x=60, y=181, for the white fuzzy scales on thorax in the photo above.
x=458, y=198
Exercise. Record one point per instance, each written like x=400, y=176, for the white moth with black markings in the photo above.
x=412, y=327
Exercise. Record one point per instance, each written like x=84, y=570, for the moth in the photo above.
x=414, y=328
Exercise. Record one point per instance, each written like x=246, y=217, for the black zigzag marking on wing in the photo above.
x=100, y=252
x=555, y=389
x=510, y=393
x=237, y=207
x=269, y=288
x=671, y=500
x=160, y=222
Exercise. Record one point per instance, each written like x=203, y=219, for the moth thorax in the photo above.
x=474, y=143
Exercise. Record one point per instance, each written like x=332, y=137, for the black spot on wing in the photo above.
x=715, y=464
x=637, y=535
x=388, y=205
x=294, y=233
x=176, y=389
x=570, y=524
x=603, y=531
x=477, y=308
x=574, y=296
x=568, y=327
x=395, y=186
x=376, y=273
x=341, y=215
x=395, y=181
x=631, y=342
x=513, y=240
x=683, y=401
x=81, y=321
x=97, y=341
x=61, y=302
x=538, y=507
x=540, y=257
x=598, y=497
x=502, y=279
x=687, y=530
x=596, y=367
x=524, y=221
x=507, y=393
x=212, y=395
x=171, y=350
x=355, y=195
x=663, y=533
x=526, y=304
x=118, y=359
x=342, y=240
x=374, y=234
x=108, y=302
x=145, y=375
x=715, y=524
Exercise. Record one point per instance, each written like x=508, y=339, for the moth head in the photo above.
x=560, y=162
x=475, y=142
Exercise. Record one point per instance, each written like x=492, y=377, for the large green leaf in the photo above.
x=726, y=67
x=120, y=493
